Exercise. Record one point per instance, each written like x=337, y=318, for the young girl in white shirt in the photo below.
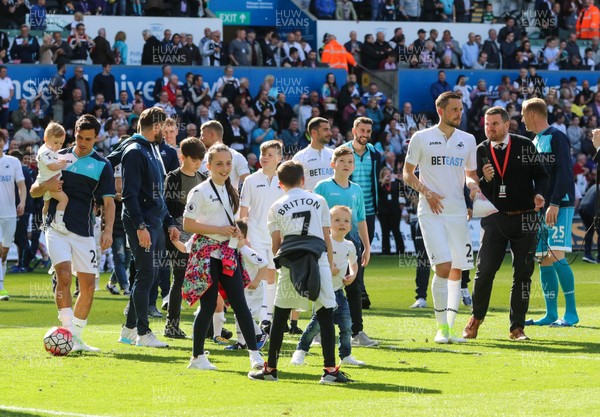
x=214, y=259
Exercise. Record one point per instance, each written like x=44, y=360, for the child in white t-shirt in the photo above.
x=50, y=163
x=344, y=260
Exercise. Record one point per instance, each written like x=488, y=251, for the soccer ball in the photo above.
x=58, y=341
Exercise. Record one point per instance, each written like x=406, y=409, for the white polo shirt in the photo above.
x=344, y=254
x=299, y=212
x=10, y=174
x=317, y=165
x=258, y=194
x=6, y=86
x=203, y=206
x=442, y=164
x=240, y=167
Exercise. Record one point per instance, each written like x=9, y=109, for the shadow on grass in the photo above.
x=9, y=413
x=311, y=379
x=141, y=357
x=436, y=350
x=548, y=346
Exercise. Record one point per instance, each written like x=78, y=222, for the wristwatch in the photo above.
x=141, y=226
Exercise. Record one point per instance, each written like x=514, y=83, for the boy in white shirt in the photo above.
x=299, y=226
x=50, y=163
x=259, y=191
x=344, y=259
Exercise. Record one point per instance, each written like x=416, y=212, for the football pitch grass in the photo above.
x=557, y=373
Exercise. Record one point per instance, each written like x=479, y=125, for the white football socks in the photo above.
x=454, y=297
x=218, y=323
x=78, y=326
x=270, y=301
x=65, y=315
x=439, y=291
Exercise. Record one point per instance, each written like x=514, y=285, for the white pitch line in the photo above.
x=51, y=412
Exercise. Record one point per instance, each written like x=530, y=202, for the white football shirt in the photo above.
x=299, y=213
x=442, y=164
x=10, y=174
x=317, y=165
x=204, y=207
x=258, y=194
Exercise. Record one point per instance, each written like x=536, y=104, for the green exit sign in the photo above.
x=234, y=18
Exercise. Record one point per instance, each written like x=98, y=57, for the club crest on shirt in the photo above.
x=460, y=145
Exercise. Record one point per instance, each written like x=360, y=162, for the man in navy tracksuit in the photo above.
x=144, y=213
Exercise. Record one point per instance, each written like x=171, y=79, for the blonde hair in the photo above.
x=271, y=144
x=536, y=105
x=338, y=208
x=341, y=151
x=54, y=130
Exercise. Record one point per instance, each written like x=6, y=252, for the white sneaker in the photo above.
x=59, y=227
x=202, y=363
x=128, y=336
x=298, y=358
x=256, y=360
x=420, y=303
x=80, y=346
x=442, y=334
x=466, y=297
x=351, y=360
x=316, y=340
x=361, y=339
x=149, y=340
x=453, y=337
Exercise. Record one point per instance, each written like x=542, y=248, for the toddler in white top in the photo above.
x=50, y=163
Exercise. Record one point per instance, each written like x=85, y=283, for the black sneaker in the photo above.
x=264, y=375
x=366, y=302
x=237, y=346
x=226, y=334
x=336, y=377
x=296, y=330
x=112, y=288
x=265, y=326
x=174, y=332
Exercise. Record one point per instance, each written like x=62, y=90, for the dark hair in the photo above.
x=442, y=101
x=151, y=116
x=492, y=111
x=290, y=173
x=242, y=224
x=363, y=120
x=316, y=123
x=234, y=197
x=17, y=154
x=87, y=122
x=192, y=147
x=79, y=25
x=106, y=64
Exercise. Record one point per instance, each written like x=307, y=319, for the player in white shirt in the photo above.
x=209, y=215
x=299, y=226
x=211, y=132
x=11, y=173
x=446, y=160
x=316, y=158
x=259, y=192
